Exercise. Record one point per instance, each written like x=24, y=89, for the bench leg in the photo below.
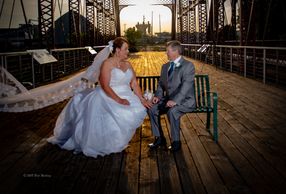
x=208, y=121
x=215, y=126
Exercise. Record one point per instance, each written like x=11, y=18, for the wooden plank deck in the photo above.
x=249, y=158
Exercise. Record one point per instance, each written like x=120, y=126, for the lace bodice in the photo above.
x=119, y=77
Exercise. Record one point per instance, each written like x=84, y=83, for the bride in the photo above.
x=103, y=120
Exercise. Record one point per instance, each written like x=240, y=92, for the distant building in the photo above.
x=145, y=29
x=24, y=37
x=162, y=37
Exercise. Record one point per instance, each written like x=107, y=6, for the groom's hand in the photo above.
x=155, y=100
x=171, y=103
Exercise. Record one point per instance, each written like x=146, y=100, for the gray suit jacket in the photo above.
x=179, y=87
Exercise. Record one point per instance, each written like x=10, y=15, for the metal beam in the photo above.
x=46, y=23
x=117, y=17
x=90, y=32
x=75, y=23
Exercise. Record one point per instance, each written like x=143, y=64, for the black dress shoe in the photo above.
x=159, y=141
x=175, y=146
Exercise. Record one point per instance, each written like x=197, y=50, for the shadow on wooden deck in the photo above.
x=249, y=158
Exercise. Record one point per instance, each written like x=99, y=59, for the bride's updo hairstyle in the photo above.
x=118, y=42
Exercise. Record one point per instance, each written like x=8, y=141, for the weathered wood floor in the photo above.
x=249, y=158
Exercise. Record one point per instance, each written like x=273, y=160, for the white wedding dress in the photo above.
x=95, y=124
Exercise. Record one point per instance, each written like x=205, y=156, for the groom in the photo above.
x=174, y=96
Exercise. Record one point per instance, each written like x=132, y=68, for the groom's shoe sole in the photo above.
x=153, y=146
x=175, y=146
x=159, y=142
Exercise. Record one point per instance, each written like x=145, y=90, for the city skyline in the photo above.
x=144, y=10
x=129, y=16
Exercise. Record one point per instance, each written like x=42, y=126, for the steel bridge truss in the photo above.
x=187, y=30
x=189, y=20
x=102, y=22
x=90, y=27
x=46, y=22
x=74, y=20
x=216, y=22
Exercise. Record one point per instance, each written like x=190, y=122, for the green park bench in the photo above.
x=206, y=101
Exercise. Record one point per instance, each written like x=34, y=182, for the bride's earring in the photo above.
x=117, y=52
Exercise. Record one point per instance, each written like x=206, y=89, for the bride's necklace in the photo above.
x=118, y=64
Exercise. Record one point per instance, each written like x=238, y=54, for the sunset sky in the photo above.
x=133, y=14
x=129, y=16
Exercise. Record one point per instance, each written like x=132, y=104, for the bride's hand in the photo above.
x=123, y=101
x=147, y=103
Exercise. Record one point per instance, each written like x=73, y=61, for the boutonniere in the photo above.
x=177, y=66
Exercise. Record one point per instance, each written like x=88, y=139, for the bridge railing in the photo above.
x=31, y=74
x=267, y=64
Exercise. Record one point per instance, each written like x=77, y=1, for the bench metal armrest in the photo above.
x=214, y=98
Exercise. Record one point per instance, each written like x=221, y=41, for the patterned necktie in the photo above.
x=172, y=64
